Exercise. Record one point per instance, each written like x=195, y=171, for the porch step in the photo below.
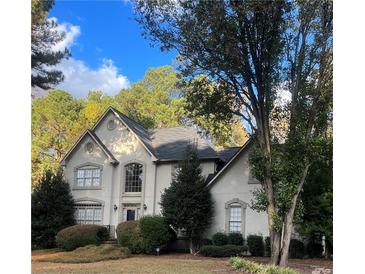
x=110, y=242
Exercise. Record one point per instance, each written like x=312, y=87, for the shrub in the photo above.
x=154, y=232
x=206, y=241
x=128, y=235
x=81, y=235
x=52, y=210
x=220, y=239
x=314, y=249
x=255, y=268
x=296, y=249
x=235, y=239
x=267, y=246
x=255, y=245
x=222, y=251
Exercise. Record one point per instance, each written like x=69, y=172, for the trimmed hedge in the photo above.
x=128, y=235
x=296, y=249
x=222, y=251
x=314, y=249
x=235, y=239
x=81, y=235
x=220, y=239
x=154, y=233
x=255, y=245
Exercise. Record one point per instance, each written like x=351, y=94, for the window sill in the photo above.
x=132, y=194
x=86, y=188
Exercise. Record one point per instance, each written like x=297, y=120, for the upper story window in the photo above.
x=133, y=177
x=88, y=176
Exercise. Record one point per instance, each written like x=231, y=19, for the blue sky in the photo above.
x=108, y=50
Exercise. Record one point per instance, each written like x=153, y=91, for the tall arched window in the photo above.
x=133, y=177
x=235, y=216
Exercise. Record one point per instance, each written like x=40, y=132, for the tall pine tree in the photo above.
x=187, y=204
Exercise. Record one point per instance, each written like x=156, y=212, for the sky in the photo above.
x=107, y=47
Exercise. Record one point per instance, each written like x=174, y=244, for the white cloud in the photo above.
x=80, y=79
x=71, y=33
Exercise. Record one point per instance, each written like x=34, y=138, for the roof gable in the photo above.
x=96, y=139
x=230, y=162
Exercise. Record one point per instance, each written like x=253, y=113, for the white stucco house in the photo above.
x=117, y=171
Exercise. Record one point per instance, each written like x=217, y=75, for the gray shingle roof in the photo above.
x=226, y=154
x=170, y=143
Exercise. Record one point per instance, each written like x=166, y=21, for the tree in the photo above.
x=44, y=37
x=52, y=209
x=54, y=119
x=249, y=50
x=187, y=203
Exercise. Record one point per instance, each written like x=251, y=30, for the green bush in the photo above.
x=296, y=249
x=267, y=247
x=222, y=250
x=235, y=238
x=206, y=241
x=255, y=245
x=249, y=267
x=314, y=249
x=52, y=209
x=154, y=232
x=128, y=235
x=220, y=239
x=81, y=235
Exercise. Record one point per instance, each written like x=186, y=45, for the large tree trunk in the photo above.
x=288, y=221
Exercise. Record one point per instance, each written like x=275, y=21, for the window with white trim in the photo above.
x=133, y=177
x=235, y=218
x=88, y=213
x=89, y=176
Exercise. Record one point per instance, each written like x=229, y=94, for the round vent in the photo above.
x=111, y=124
x=89, y=147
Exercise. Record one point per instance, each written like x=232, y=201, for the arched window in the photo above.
x=133, y=177
x=235, y=216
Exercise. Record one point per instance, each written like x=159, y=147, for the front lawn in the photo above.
x=165, y=264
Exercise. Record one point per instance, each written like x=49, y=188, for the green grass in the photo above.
x=247, y=266
x=87, y=254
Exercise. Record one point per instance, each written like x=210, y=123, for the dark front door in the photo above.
x=131, y=214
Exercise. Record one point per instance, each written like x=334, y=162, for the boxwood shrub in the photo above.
x=296, y=249
x=80, y=235
x=129, y=235
x=235, y=238
x=154, y=233
x=222, y=250
x=220, y=239
x=255, y=245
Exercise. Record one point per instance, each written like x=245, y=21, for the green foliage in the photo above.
x=44, y=36
x=249, y=267
x=76, y=236
x=222, y=251
x=235, y=238
x=187, y=203
x=255, y=245
x=129, y=235
x=296, y=249
x=220, y=238
x=52, y=210
x=154, y=232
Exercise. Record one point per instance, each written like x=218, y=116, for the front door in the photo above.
x=131, y=214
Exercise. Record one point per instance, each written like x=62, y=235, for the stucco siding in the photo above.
x=236, y=183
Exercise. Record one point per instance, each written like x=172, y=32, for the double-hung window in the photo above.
x=88, y=213
x=88, y=177
x=235, y=218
